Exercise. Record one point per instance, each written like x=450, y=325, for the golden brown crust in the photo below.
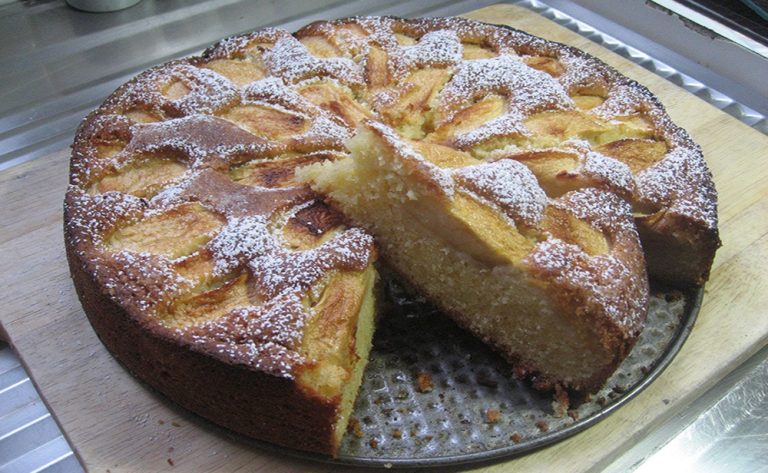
x=585, y=251
x=240, y=398
x=225, y=131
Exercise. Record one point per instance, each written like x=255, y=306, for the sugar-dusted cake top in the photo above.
x=182, y=181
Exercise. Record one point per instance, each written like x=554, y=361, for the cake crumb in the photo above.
x=355, y=428
x=515, y=437
x=424, y=382
x=397, y=433
x=373, y=443
x=561, y=402
x=573, y=414
x=542, y=425
x=170, y=462
x=492, y=416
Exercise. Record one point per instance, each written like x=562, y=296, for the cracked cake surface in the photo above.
x=223, y=242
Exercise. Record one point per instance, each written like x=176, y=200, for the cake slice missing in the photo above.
x=251, y=305
x=556, y=286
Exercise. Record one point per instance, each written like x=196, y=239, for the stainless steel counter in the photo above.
x=58, y=63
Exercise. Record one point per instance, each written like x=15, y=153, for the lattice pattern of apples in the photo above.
x=182, y=162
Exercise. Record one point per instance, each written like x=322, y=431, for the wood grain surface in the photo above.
x=116, y=424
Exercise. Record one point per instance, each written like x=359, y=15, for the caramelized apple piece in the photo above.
x=208, y=305
x=551, y=168
x=412, y=113
x=636, y=153
x=565, y=226
x=176, y=232
x=476, y=51
x=587, y=102
x=336, y=100
x=443, y=156
x=267, y=122
x=376, y=71
x=240, y=72
x=175, y=90
x=469, y=119
x=142, y=179
x=142, y=116
x=275, y=172
x=546, y=64
x=320, y=47
x=404, y=40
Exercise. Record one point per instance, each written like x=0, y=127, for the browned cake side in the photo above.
x=239, y=397
x=499, y=93
x=220, y=280
x=213, y=277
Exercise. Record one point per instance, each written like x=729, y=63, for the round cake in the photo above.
x=227, y=213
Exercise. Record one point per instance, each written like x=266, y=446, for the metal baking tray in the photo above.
x=476, y=411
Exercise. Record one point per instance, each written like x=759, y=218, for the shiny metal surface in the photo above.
x=729, y=437
x=101, y=6
x=30, y=440
x=725, y=430
x=59, y=63
x=733, y=82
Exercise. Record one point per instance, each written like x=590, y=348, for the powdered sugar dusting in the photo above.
x=509, y=124
x=143, y=280
x=239, y=46
x=239, y=241
x=608, y=172
x=281, y=277
x=207, y=91
x=603, y=209
x=507, y=185
x=198, y=138
x=292, y=61
x=527, y=89
x=273, y=91
x=281, y=269
x=602, y=285
x=324, y=127
x=581, y=73
x=440, y=177
x=267, y=338
x=440, y=48
x=622, y=100
x=91, y=217
x=681, y=181
x=267, y=334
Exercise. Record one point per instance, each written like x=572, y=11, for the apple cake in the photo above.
x=226, y=212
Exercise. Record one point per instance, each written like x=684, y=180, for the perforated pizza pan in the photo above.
x=476, y=411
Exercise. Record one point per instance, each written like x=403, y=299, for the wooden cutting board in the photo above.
x=116, y=424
